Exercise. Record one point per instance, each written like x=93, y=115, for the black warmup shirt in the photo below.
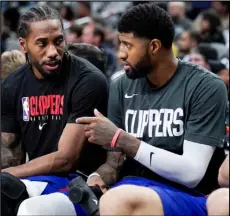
x=190, y=106
x=38, y=110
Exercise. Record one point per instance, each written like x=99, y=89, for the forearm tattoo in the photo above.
x=9, y=140
x=11, y=152
x=110, y=170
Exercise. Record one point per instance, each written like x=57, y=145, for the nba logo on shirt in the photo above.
x=25, y=108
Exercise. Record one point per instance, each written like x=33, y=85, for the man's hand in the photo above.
x=98, y=129
x=11, y=170
x=97, y=180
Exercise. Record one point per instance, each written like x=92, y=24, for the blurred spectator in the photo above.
x=222, y=10
x=175, y=50
x=74, y=33
x=4, y=35
x=188, y=40
x=199, y=59
x=177, y=11
x=10, y=61
x=221, y=49
x=67, y=13
x=11, y=18
x=220, y=69
x=91, y=53
x=83, y=9
x=196, y=7
x=210, y=28
x=95, y=35
x=209, y=52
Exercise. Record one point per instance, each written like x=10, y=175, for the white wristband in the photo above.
x=93, y=174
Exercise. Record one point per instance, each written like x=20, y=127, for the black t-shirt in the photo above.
x=190, y=106
x=38, y=110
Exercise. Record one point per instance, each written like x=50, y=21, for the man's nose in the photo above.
x=122, y=55
x=52, y=52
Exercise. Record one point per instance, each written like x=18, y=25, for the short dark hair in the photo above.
x=148, y=21
x=76, y=29
x=216, y=66
x=210, y=53
x=92, y=53
x=99, y=31
x=195, y=35
x=35, y=14
x=206, y=51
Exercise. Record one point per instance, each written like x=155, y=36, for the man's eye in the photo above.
x=59, y=41
x=127, y=45
x=41, y=44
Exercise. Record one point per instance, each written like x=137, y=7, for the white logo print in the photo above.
x=95, y=201
x=41, y=126
x=130, y=96
x=155, y=123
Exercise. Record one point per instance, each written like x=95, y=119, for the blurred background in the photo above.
x=202, y=29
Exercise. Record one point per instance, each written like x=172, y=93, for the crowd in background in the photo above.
x=202, y=30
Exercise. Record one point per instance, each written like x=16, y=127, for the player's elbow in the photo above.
x=63, y=163
x=193, y=176
x=67, y=166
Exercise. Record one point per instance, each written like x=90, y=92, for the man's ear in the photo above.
x=155, y=46
x=22, y=45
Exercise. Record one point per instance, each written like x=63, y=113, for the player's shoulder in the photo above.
x=197, y=75
x=201, y=80
x=14, y=78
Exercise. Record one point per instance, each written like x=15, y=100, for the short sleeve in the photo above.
x=90, y=92
x=115, y=103
x=207, y=114
x=9, y=123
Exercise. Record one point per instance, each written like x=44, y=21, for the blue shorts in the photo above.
x=175, y=202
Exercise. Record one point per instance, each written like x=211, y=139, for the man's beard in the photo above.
x=49, y=75
x=141, y=69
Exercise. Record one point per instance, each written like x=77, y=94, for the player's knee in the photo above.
x=130, y=196
x=27, y=207
x=51, y=204
x=218, y=202
x=115, y=196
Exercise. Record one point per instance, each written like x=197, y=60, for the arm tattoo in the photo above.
x=110, y=170
x=11, y=153
x=9, y=140
x=128, y=143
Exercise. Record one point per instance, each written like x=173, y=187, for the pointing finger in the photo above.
x=85, y=120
